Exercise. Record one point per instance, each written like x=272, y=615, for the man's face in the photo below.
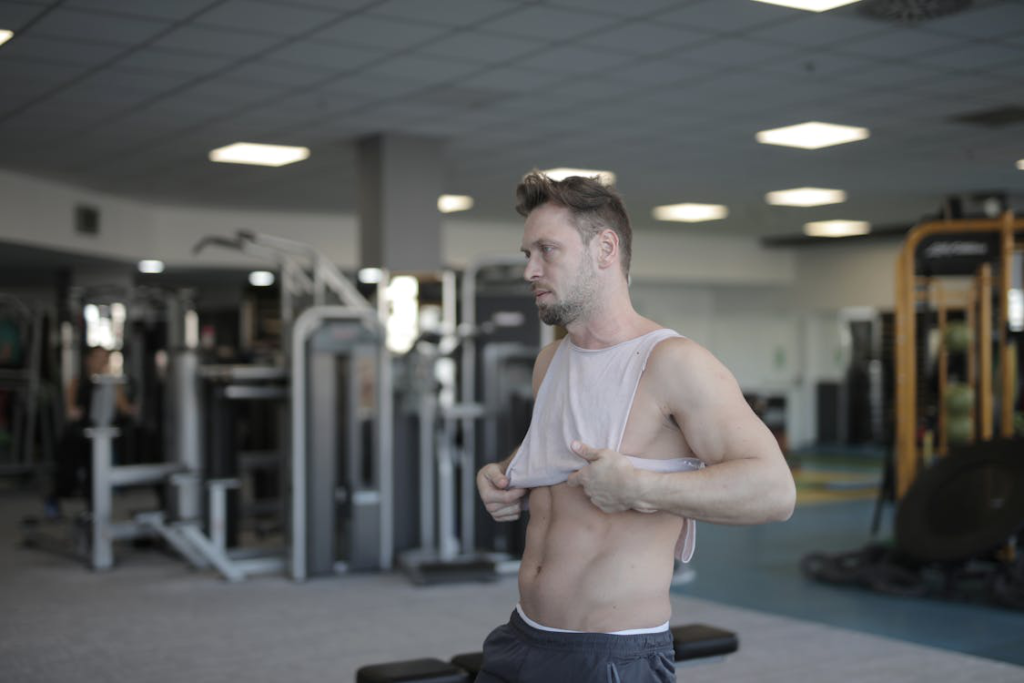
x=97, y=361
x=559, y=266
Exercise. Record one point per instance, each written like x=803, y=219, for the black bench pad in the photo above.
x=413, y=671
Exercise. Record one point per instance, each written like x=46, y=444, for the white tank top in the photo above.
x=587, y=395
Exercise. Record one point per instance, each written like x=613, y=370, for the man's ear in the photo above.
x=608, y=244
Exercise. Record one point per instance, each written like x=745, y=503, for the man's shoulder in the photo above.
x=678, y=357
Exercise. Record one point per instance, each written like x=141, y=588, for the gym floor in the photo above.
x=153, y=619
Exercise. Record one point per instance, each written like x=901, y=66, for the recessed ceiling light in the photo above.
x=450, y=203
x=690, y=213
x=259, y=154
x=5, y=35
x=261, y=278
x=812, y=135
x=370, y=276
x=810, y=5
x=1020, y=164
x=606, y=177
x=837, y=228
x=805, y=196
x=151, y=266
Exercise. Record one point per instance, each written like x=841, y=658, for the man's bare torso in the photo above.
x=586, y=570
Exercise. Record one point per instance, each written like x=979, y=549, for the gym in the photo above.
x=263, y=320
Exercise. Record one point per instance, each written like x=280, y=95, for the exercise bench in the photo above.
x=691, y=642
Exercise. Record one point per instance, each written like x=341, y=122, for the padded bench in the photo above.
x=691, y=641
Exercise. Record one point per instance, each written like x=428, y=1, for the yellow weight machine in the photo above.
x=975, y=299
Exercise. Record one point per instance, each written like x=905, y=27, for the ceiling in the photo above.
x=129, y=96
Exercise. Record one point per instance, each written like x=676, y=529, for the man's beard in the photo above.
x=578, y=302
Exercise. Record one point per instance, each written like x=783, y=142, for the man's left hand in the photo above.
x=608, y=479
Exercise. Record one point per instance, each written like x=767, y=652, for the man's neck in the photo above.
x=612, y=324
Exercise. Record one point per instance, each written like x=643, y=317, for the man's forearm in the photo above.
x=735, y=492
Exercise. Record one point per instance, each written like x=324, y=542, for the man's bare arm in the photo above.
x=747, y=480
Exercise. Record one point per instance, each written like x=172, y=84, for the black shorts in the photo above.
x=517, y=652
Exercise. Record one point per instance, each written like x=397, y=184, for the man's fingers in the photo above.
x=573, y=480
x=496, y=478
x=584, y=451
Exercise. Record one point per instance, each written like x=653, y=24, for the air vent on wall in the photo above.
x=911, y=11
x=87, y=220
x=993, y=118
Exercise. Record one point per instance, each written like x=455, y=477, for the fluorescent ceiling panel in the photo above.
x=261, y=278
x=450, y=203
x=836, y=228
x=810, y=5
x=370, y=276
x=690, y=213
x=805, y=196
x=606, y=177
x=258, y=154
x=812, y=135
x=5, y=35
x=151, y=266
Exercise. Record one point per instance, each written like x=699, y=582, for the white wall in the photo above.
x=771, y=315
x=41, y=213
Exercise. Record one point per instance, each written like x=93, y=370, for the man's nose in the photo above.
x=532, y=270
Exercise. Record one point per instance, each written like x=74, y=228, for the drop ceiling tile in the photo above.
x=11, y=69
x=816, y=65
x=444, y=12
x=328, y=56
x=175, y=61
x=422, y=69
x=997, y=20
x=633, y=8
x=153, y=9
x=262, y=17
x=905, y=41
x=15, y=15
x=235, y=93
x=481, y=47
x=727, y=16
x=819, y=30
x=513, y=79
x=734, y=52
x=60, y=50
x=377, y=32
x=661, y=72
x=890, y=75
x=105, y=28
x=973, y=57
x=643, y=38
x=575, y=60
x=373, y=84
x=118, y=90
x=262, y=71
x=216, y=41
x=548, y=23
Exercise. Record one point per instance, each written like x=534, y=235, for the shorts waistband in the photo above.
x=628, y=632
x=571, y=640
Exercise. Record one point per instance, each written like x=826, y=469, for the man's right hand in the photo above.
x=503, y=505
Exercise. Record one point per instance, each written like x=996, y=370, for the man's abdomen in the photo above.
x=586, y=570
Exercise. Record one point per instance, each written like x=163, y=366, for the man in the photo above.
x=604, y=526
x=73, y=466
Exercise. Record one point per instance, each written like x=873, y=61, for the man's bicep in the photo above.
x=709, y=407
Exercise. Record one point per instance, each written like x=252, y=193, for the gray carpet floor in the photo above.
x=152, y=620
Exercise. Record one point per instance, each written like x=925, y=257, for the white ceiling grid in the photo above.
x=128, y=96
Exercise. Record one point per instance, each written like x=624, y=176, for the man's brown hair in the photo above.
x=594, y=207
